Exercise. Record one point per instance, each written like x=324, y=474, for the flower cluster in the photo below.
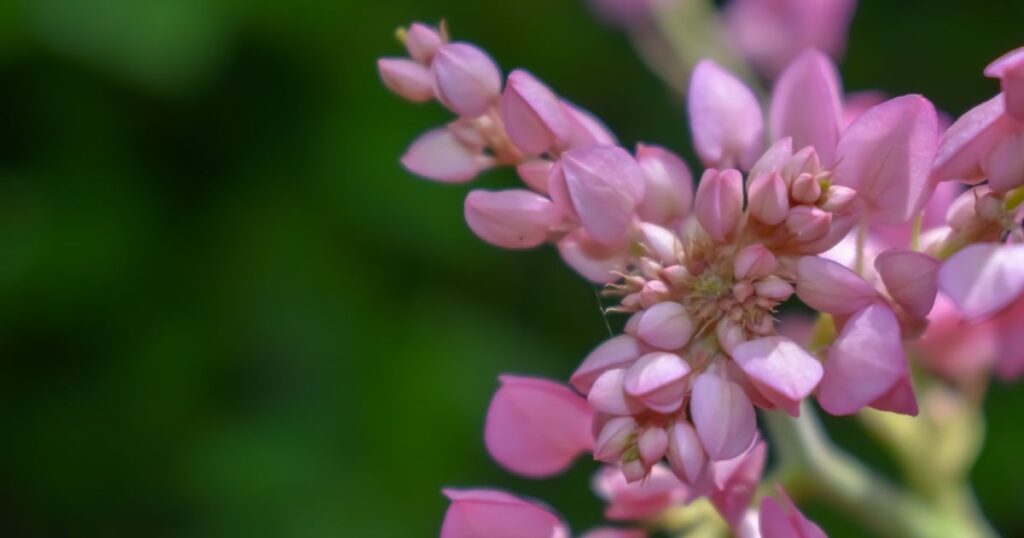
x=822, y=197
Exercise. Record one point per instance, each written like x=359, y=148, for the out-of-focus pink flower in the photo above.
x=719, y=202
x=780, y=518
x=440, y=155
x=639, y=500
x=466, y=79
x=770, y=33
x=536, y=427
x=725, y=118
x=486, y=513
x=601, y=186
x=612, y=532
x=867, y=367
x=407, y=78
x=668, y=192
x=586, y=129
x=983, y=278
x=510, y=219
x=534, y=117
x=422, y=42
x=954, y=348
x=734, y=482
x=624, y=12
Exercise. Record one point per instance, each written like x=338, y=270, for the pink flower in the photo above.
x=725, y=118
x=780, y=518
x=486, y=513
x=536, y=427
x=770, y=33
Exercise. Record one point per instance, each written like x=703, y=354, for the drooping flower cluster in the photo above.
x=826, y=212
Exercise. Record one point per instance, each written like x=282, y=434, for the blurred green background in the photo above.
x=226, y=310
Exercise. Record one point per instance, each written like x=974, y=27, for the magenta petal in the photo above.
x=969, y=140
x=725, y=118
x=536, y=427
x=485, y=513
x=780, y=370
x=911, y=279
x=806, y=104
x=439, y=155
x=886, y=156
x=983, y=278
x=864, y=363
x=639, y=500
x=605, y=185
x=668, y=192
x=618, y=352
x=830, y=287
x=534, y=117
x=723, y=416
x=422, y=42
x=510, y=219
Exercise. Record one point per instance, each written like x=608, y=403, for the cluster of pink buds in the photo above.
x=670, y=403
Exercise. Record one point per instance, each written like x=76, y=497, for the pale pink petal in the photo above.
x=865, y=362
x=466, y=79
x=617, y=352
x=719, y=202
x=910, y=278
x=668, y=194
x=658, y=380
x=685, y=453
x=983, y=278
x=969, y=140
x=536, y=427
x=484, y=513
x=439, y=155
x=857, y=103
x=736, y=482
x=768, y=198
x=651, y=444
x=639, y=500
x=886, y=156
x=608, y=395
x=666, y=325
x=593, y=261
x=422, y=42
x=535, y=174
x=586, y=129
x=780, y=369
x=1009, y=68
x=1004, y=166
x=774, y=158
x=613, y=438
x=510, y=219
x=754, y=261
x=830, y=287
x=953, y=348
x=725, y=118
x=806, y=104
x=407, y=79
x=605, y=185
x=723, y=416
x=534, y=117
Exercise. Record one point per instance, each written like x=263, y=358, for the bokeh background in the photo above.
x=226, y=311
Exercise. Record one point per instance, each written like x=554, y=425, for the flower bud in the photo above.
x=653, y=292
x=615, y=437
x=666, y=325
x=601, y=186
x=466, y=79
x=651, y=444
x=805, y=160
x=633, y=470
x=723, y=416
x=1009, y=69
x=768, y=198
x=661, y=243
x=669, y=185
x=535, y=174
x=439, y=155
x=534, y=117
x=510, y=219
x=617, y=352
x=685, y=454
x=838, y=198
x=729, y=334
x=719, y=202
x=658, y=380
x=608, y=396
x=773, y=288
x=808, y=223
x=806, y=188
x=754, y=261
x=742, y=290
x=408, y=79
x=422, y=41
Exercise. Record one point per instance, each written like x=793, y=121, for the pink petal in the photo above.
x=685, y=453
x=911, y=279
x=586, y=129
x=969, y=140
x=725, y=118
x=736, y=482
x=407, y=79
x=485, y=513
x=466, y=79
x=510, y=219
x=1009, y=68
x=774, y=158
x=719, y=203
x=618, y=352
x=768, y=198
x=668, y=192
x=535, y=174
x=639, y=500
x=608, y=395
x=534, y=117
x=900, y=399
x=723, y=416
x=658, y=380
x=604, y=185
x=1009, y=335
x=864, y=363
x=665, y=325
x=830, y=287
x=780, y=370
x=806, y=104
x=536, y=427
x=782, y=519
x=1004, y=166
x=422, y=42
x=886, y=156
x=983, y=278
x=439, y=155
x=754, y=261
x=613, y=438
x=595, y=262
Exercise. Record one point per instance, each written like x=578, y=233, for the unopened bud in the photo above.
x=617, y=435
x=806, y=189
x=768, y=198
x=808, y=223
x=719, y=202
x=422, y=41
x=408, y=79
x=466, y=79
